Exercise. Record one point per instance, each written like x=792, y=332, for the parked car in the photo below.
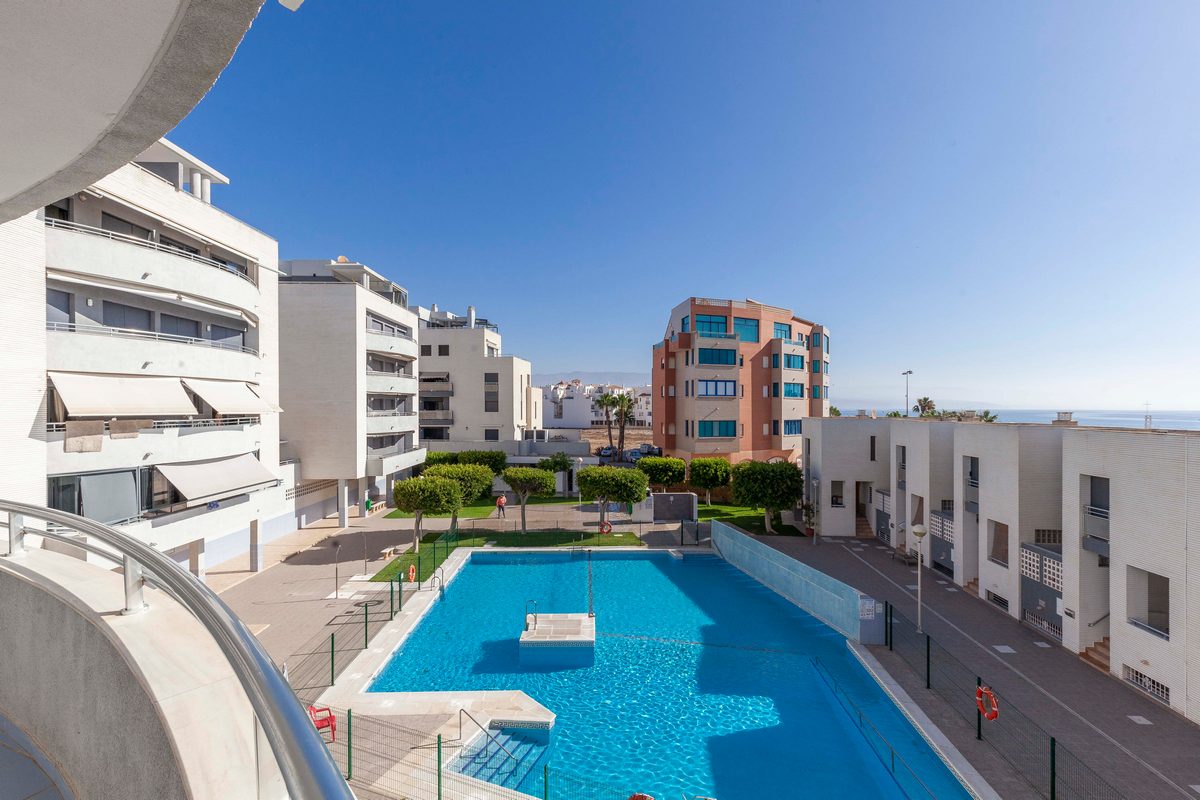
x=650, y=450
x=606, y=451
x=634, y=456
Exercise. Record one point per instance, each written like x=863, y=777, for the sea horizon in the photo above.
x=1107, y=418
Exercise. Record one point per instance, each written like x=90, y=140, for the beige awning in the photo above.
x=202, y=482
x=90, y=395
x=168, y=295
x=229, y=397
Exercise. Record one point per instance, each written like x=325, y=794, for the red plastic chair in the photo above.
x=323, y=718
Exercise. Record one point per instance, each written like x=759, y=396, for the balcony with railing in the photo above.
x=1095, y=522
x=393, y=343
x=169, y=439
x=385, y=461
x=390, y=383
x=381, y=421
x=437, y=388
x=147, y=264
x=79, y=347
x=437, y=417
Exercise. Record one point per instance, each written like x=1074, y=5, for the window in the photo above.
x=178, y=326
x=775, y=360
x=826, y=370
x=380, y=325
x=775, y=389
x=710, y=428
x=60, y=210
x=814, y=341
x=816, y=392
x=117, y=225
x=716, y=388
x=687, y=388
x=766, y=429
x=774, y=427
x=227, y=337
x=491, y=401
x=793, y=361
x=491, y=377
x=826, y=343
x=713, y=355
x=793, y=390
x=746, y=329
x=671, y=362
x=998, y=543
x=491, y=434
x=791, y=427
x=443, y=349
x=426, y=349
x=58, y=306
x=766, y=391
x=1156, y=689
x=1148, y=601
x=670, y=391
x=872, y=448
x=710, y=323
x=684, y=324
x=177, y=245
x=816, y=365
x=117, y=315
x=835, y=494
x=1047, y=536
x=783, y=330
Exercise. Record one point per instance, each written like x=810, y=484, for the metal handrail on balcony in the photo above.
x=378, y=373
x=305, y=763
x=393, y=451
x=1095, y=511
x=705, y=335
x=394, y=334
x=973, y=483
x=135, y=333
x=165, y=424
x=147, y=243
x=388, y=412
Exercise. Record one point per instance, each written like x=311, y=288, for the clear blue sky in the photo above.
x=1003, y=198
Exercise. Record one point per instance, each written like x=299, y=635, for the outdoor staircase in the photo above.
x=972, y=587
x=486, y=761
x=1097, y=655
x=862, y=528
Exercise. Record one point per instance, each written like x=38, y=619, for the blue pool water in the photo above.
x=703, y=683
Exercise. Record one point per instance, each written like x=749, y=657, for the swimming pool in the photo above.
x=703, y=683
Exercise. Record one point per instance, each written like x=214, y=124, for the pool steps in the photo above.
x=485, y=761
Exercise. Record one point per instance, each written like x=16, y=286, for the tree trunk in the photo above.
x=603, y=501
x=417, y=531
x=621, y=438
x=708, y=497
x=608, y=424
x=767, y=520
x=453, y=520
x=524, y=498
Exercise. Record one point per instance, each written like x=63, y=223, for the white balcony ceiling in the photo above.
x=86, y=87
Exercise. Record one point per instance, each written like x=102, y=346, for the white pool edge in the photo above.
x=951, y=756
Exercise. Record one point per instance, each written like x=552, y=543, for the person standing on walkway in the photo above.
x=501, y=502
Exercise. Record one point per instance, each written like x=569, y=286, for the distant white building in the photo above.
x=572, y=404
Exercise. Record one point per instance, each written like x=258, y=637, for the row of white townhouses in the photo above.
x=1090, y=535
x=166, y=373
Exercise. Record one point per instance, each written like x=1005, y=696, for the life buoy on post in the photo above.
x=640, y=796
x=412, y=573
x=985, y=699
x=606, y=527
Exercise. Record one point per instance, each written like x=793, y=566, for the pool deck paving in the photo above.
x=1094, y=715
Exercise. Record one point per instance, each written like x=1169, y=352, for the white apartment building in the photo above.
x=348, y=365
x=469, y=390
x=145, y=391
x=1086, y=534
x=572, y=404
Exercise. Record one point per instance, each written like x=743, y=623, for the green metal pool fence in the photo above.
x=1050, y=768
x=382, y=759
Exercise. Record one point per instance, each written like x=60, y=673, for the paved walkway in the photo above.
x=1141, y=747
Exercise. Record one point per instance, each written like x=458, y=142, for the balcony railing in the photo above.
x=388, y=452
x=728, y=336
x=1162, y=630
x=151, y=245
x=393, y=334
x=973, y=483
x=437, y=416
x=378, y=412
x=379, y=373
x=1096, y=511
x=133, y=333
x=164, y=424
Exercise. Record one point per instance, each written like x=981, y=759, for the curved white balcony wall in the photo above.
x=390, y=384
x=102, y=350
x=171, y=531
x=378, y=466
x=136, y=266
x=139, y=706
x=391, y=423
x=154, y=446
x=391, y=345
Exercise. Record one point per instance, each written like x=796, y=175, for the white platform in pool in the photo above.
x=558, y=640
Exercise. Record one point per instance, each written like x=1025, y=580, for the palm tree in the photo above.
x=834, y=411
x=623, y=405
x=925, y=407
x=988, y=416
x=607, y=402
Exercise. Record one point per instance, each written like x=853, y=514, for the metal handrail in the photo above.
x=1096, y=511
x=376, y=412
x=535, y=611
x=308, y=770
x=167, y=424
x=135, y=333
x=495, y=741
x=384, y=374
x=395, y=334
x=1097, y=622
x=147, y=243
x=973, y=483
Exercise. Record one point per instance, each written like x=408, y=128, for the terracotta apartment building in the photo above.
x=737, y=378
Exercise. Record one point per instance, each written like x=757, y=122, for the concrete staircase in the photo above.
x=508, y=767
x=972, y=587
x=1097, y=655
x=862, y=528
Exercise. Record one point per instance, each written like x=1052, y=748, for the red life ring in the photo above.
x=606, y=527
x=985, y=699
x=412, y=573
x=640, y=796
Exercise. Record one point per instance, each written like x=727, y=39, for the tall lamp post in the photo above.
x=336, y=544
x=919, y=532
x=906, y=373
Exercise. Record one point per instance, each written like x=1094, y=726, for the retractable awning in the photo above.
x=154, y=293
x=89, y=395
x=229, y=397
x=202, y=482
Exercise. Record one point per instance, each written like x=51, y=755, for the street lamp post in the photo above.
x=919, y=532
x=337, y=546
x=906, y=373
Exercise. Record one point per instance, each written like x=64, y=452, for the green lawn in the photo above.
x=748, y=519
x=486, y=507
x=434, y=552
